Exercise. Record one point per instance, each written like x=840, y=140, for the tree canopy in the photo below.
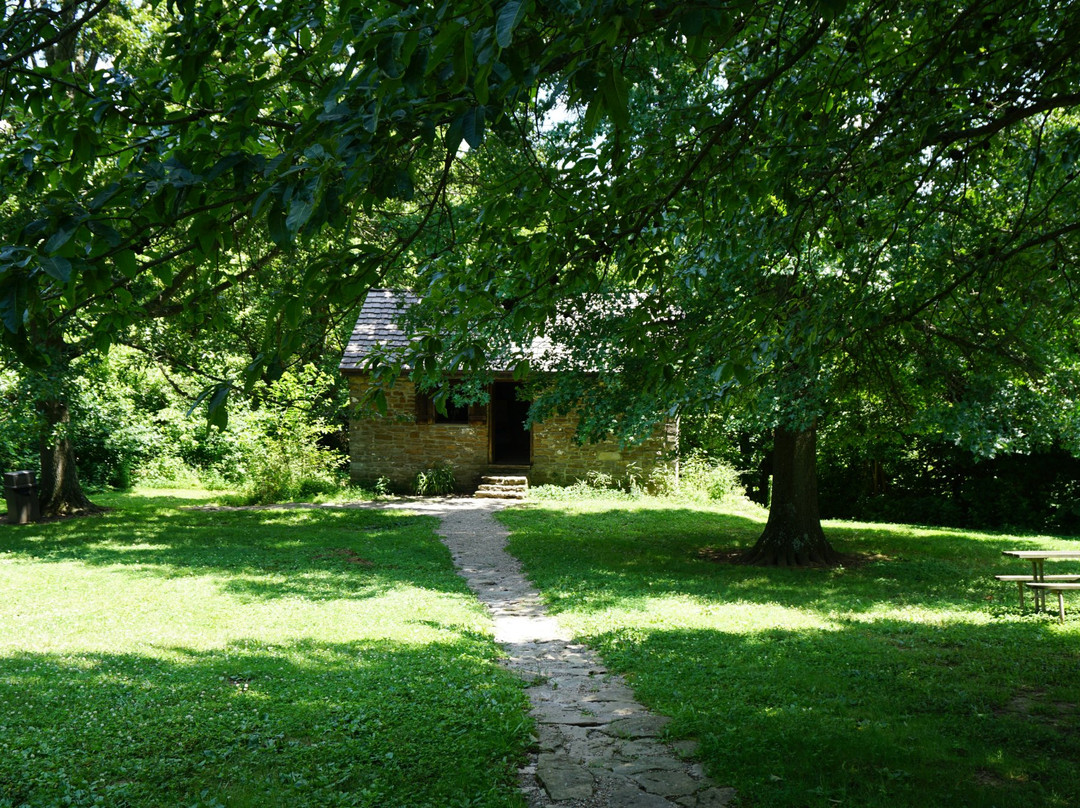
x=813, y=202
x=820, y=212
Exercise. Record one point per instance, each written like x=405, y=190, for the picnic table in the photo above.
x=1039, y=582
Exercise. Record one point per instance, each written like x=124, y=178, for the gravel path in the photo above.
x=596, y=747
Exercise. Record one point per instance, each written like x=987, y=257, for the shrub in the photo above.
x=280, y=443
x=167, y=471
x=19, y=426
x=576, y=491
x=699, y=477
x=435, y=481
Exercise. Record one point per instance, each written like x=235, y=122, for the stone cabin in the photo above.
x=476, y=441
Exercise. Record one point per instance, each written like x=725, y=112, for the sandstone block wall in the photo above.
x=396, y=447
x=558, y=460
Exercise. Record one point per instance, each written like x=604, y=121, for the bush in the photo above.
x=280, y=443
x=19, y=426
x=167, y=471
x=581, y=489
x=436, y=481
x=698, y=477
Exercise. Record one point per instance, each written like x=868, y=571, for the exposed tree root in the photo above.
x=789, y=557
x=68, y=509
x=785, y=543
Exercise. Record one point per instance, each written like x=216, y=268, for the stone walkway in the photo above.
x=597, y=747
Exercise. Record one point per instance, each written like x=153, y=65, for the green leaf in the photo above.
x=378, y=398
x=59, y=268
x=454, y=135
x=509, y=18
x=480, y=84
x=106, y=234
x=616, y=97
x=275, y=222
x=472, y=126
x=413, y=80
x=11, y=312
x=593, y=113
x=217, y=398
x=292, y=312
x=126, y=263
x=205, y=232
x=300, y=210
x=104, y=197
x=389, y=55
x=61, y=237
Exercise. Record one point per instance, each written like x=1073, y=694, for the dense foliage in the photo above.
x=934, y=483
x=1008, y=477
x=132, y=424
x=816, y=208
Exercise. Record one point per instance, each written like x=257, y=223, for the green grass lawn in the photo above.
x=906, y=678
x=157, y=656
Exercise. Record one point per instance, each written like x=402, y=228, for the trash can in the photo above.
x=21, y=494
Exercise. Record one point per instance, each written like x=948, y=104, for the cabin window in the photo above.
x=426, y=413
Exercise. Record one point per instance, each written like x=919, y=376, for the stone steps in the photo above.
x=503, y=487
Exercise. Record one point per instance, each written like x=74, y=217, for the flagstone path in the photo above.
x=597, y=747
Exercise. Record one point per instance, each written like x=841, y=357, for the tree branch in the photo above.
x=58, y=37
x=1012, y=116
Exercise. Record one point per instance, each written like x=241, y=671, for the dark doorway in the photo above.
x=511, y=442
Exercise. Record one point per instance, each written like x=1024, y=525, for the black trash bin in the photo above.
x=21, y=494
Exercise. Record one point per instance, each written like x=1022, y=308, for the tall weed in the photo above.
x=436, y=481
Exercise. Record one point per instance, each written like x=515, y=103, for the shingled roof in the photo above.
x=377, y=326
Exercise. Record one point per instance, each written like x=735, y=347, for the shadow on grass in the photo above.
x=311, y=553
x=907, y=680
x=600, y=559
x=296, y=724
x=870, y=713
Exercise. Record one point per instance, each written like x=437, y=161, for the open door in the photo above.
x=511, y=442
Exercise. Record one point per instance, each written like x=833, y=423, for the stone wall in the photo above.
x=396, y=447
x=558, y=460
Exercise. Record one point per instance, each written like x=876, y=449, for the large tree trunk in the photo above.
x=793, y=534
x=59, y=485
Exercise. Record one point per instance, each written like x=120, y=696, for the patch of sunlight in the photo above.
x=740, y=506
x=918, y=615
x=685, y=612
x=174, y=493
x=74, y=607
x=121, y=547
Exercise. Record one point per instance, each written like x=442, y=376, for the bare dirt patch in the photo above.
x=727, y=555
x=346, y=555
x=1033, y=705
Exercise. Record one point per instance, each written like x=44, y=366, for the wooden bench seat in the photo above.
x=1057, y=587
x=1024, y=579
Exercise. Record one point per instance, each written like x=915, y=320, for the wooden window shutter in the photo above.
x=477, y=414
x=425, y=409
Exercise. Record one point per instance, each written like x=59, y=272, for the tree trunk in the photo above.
x=60, y=491
x=793, y=534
